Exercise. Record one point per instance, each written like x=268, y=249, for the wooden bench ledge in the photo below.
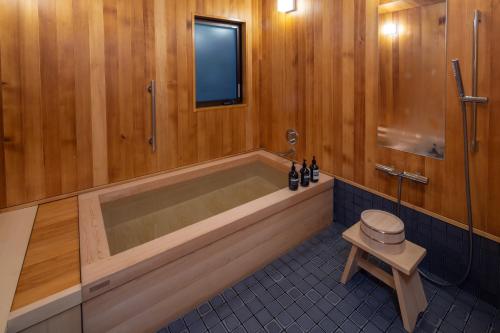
x=405, y=262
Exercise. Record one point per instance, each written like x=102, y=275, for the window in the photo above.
x=218, y=59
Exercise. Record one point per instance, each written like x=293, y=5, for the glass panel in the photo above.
x=216, y=61
x=138, y=219
x=412, y=86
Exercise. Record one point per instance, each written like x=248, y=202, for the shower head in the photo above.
x=455, y=63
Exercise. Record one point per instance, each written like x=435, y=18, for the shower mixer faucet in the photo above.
x=415, y=177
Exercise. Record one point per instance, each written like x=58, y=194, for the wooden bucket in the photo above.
x=383, y=231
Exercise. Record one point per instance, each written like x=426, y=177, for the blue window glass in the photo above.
x=218, y=63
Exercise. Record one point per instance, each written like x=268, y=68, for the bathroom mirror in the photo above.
x=412, y=76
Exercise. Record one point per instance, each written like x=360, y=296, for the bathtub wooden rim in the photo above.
x=101, y=272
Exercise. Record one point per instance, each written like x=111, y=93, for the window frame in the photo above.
x=240, y=38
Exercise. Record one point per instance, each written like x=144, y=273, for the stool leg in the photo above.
x=351, y=266
x=411, y=297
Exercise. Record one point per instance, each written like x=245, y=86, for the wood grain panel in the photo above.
x=3, y=191
x=70, y=122
x=15, y=230
x=493, y=189
x=389, y=6
x=84, y=131
x=67, y=321
x=75, y=109
x=338, y=74
x=98, y=93
x=52, y=261
x=11, y=104
x=148, y=303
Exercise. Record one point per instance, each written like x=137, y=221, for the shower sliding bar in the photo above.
x=474, y=99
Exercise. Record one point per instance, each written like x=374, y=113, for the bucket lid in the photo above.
x=383, y=222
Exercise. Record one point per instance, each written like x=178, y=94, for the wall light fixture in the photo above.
x=287, y=6
x=390, y=29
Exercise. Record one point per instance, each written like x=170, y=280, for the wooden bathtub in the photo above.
x=129, y=286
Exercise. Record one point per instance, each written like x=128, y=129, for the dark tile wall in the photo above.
x=447, y=245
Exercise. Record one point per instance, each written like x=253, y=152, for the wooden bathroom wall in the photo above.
x=2, y=157
x=75, y=109
x=319, y=74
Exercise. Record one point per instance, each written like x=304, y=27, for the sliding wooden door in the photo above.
x=129, y=45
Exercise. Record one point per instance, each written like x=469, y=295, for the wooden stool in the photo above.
x=405, y=277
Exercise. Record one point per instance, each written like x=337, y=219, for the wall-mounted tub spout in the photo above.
x=289, y=154
x=292, y=137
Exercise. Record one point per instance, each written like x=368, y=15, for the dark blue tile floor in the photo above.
x=300, y=292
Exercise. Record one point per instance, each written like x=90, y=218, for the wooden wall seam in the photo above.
x=3, y=189
x=98, y=94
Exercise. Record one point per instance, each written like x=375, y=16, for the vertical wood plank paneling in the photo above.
x=480, y=160
x=50, y=95
x=265, y=91
x=458, y=44
x=75, y=109
x=346, y=109
x=359, y=89
x=229, y=120
x=121, y=126
x=31, y=101
x=150, y=74
x=290, y=70
x=114, y=137
x=189, y=133
x=66, y=96
x=142, y=55
x=98, y=93
x=75, y=112
x=255, y=54
x=3, y=190
x=372, y=95
x=166, y=64
x=15, y=181
x=299, y=67
x=83, y=97
x=330, y=40
x=493, y=226
x=348, y=126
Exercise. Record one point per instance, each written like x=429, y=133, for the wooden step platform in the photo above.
x=52, y=262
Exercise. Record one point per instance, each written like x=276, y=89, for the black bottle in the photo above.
x=293, y=178
x=314, y=171
x=305, y=175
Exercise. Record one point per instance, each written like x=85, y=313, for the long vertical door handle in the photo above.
x=152, y=91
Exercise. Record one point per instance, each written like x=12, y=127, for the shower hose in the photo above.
x=465, y=275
